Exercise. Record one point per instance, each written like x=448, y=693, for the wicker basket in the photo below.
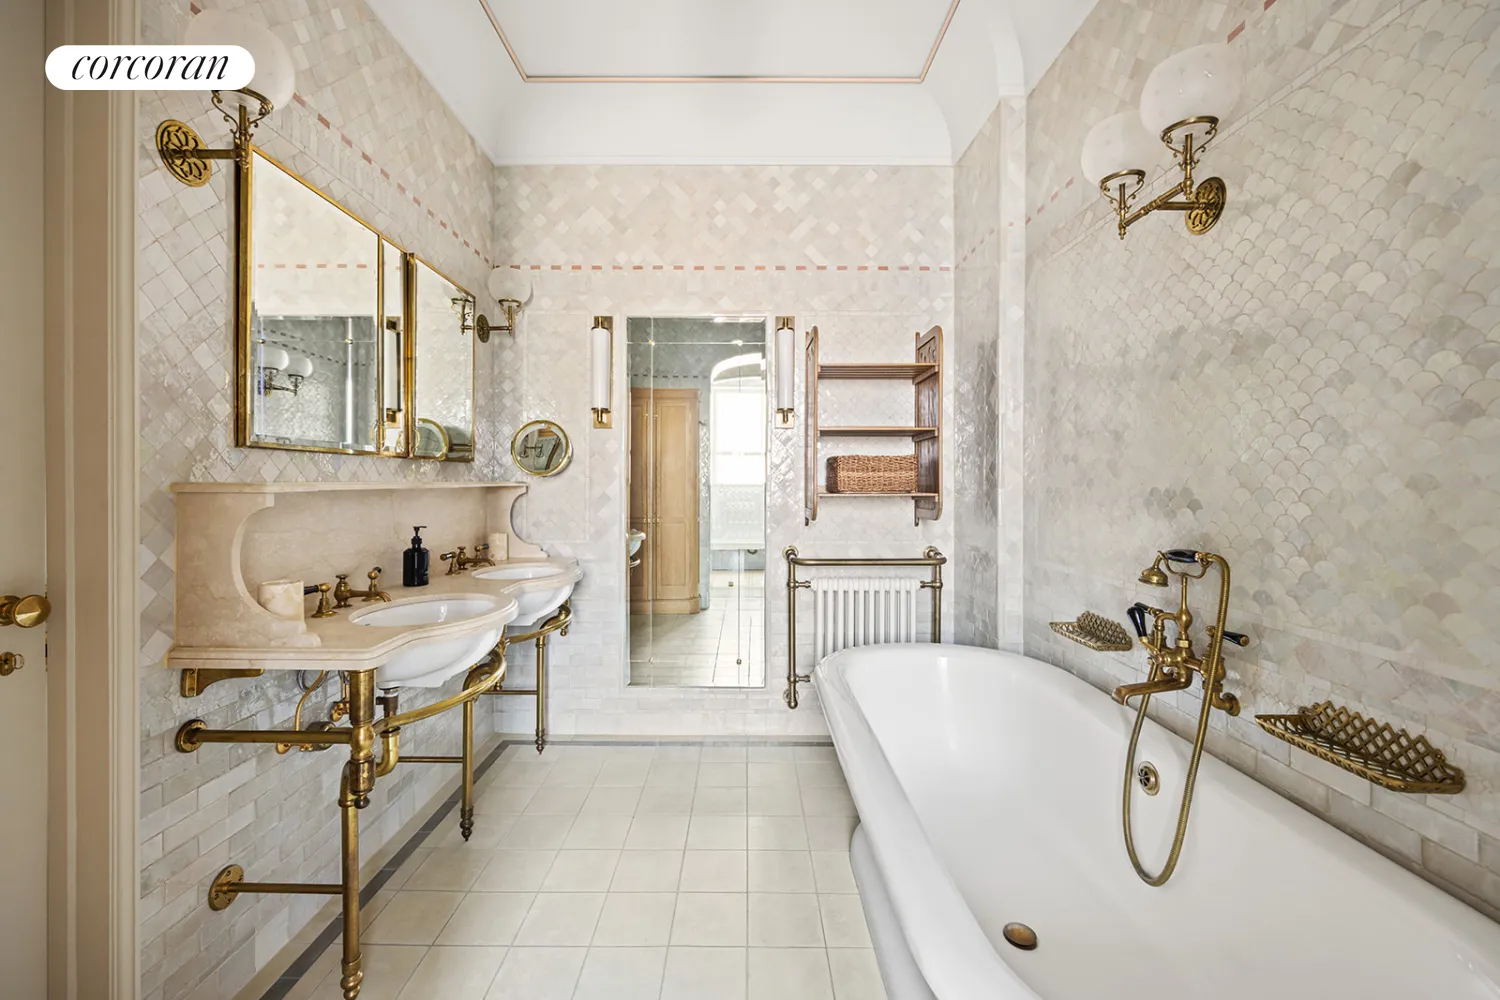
x=872, y=474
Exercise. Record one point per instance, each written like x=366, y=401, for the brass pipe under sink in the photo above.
x=360, y=772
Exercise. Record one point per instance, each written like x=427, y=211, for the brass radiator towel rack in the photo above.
x=931, y=558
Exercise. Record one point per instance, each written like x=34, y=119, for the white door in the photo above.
x=23, y=691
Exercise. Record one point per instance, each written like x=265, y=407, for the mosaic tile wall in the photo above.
x=989, y=296
x=976, y=427
x=369, y=130
x=1310, y=389
x=863, y=253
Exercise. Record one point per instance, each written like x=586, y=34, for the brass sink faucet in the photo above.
x=460, y=560
x=342, y=591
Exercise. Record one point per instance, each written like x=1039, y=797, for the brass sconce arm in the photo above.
x=181, y=148
x=1203, y=205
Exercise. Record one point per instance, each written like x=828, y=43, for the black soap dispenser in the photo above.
x=414, y=561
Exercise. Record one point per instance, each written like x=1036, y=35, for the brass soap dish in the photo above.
x=1391, y=758
x=1095, y=632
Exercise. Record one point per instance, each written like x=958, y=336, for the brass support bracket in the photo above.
x=195, y=732
x=196, y=680
x=230, y=882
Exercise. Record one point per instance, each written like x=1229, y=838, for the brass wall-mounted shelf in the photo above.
x=925, y=373
x=1096, y=632
x=1377, y=751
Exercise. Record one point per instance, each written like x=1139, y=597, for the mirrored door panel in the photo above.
x=697, y=500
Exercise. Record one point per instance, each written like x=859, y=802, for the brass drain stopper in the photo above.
x=1020, y=935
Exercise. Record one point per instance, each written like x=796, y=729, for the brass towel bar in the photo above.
x=930, y=557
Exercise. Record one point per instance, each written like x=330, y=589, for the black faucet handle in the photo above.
x=1137, y=615
x=1238, y=638
x=1181, y=555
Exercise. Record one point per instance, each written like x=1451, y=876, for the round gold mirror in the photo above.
x=541, y=448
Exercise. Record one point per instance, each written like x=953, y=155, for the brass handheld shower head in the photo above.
x=1153, y=575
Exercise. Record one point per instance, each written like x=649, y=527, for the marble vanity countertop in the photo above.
x=343, y=644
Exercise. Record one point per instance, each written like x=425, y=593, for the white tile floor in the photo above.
x=629, y=873
x=721, y=646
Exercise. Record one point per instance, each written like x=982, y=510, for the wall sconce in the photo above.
x=1186, y=97
x=786, y=370
x=512, y=290
x=181, y=149
x=276, y=361
x=602, y=339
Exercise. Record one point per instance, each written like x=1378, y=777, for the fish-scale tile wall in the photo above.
x=1311, y=389
x=863, y=253
x=367, y=129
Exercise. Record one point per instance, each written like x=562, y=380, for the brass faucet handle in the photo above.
x=452, y=559
x=324, y=609
x=342, y=591
x=375, y=593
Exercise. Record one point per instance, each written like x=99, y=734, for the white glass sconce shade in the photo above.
x=299, y=367
x=786, y=360
x=602, y=341
x=275, y=77
x=274, y=358
x=508, y=283
x=1203, y=81
x=1116, y=144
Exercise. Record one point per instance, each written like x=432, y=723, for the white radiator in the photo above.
x=861, y=610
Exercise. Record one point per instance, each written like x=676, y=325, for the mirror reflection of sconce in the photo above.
x=277, y=361
x=786, y=370
x=512, y=290
x=181, y=148
x=602, y=339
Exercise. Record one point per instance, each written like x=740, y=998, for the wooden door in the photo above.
x=639, y=488
x=675, y=569
x=663, y=491
x=23, y=687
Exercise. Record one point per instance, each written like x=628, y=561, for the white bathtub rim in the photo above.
x=955, y=956
x=898, y=968
x=915, y=877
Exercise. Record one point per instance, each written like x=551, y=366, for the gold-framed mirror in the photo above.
x=442, y=367
x=311, y=303
x=541, y=448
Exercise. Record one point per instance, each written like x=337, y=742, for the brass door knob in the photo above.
x=27, y=612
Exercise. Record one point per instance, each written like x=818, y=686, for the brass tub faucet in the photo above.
x=1172, y=666
x=342, y=592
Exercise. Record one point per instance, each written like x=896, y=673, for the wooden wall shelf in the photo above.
x=925, y=373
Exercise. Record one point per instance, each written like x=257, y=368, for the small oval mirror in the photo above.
x=541, y=448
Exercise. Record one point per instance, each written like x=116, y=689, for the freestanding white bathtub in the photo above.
x=988, y=787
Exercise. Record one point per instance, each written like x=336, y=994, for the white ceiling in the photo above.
x=609, y=108
x=767, y=38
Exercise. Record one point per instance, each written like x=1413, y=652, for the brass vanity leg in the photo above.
x=352, y=973
x=466, y=807
x=354, y=795
x=541, y=693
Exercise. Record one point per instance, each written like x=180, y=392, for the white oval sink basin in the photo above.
x=431, y=662
x=536, y=602
x=425, y=612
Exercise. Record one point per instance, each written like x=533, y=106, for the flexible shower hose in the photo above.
x=1187, y=793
